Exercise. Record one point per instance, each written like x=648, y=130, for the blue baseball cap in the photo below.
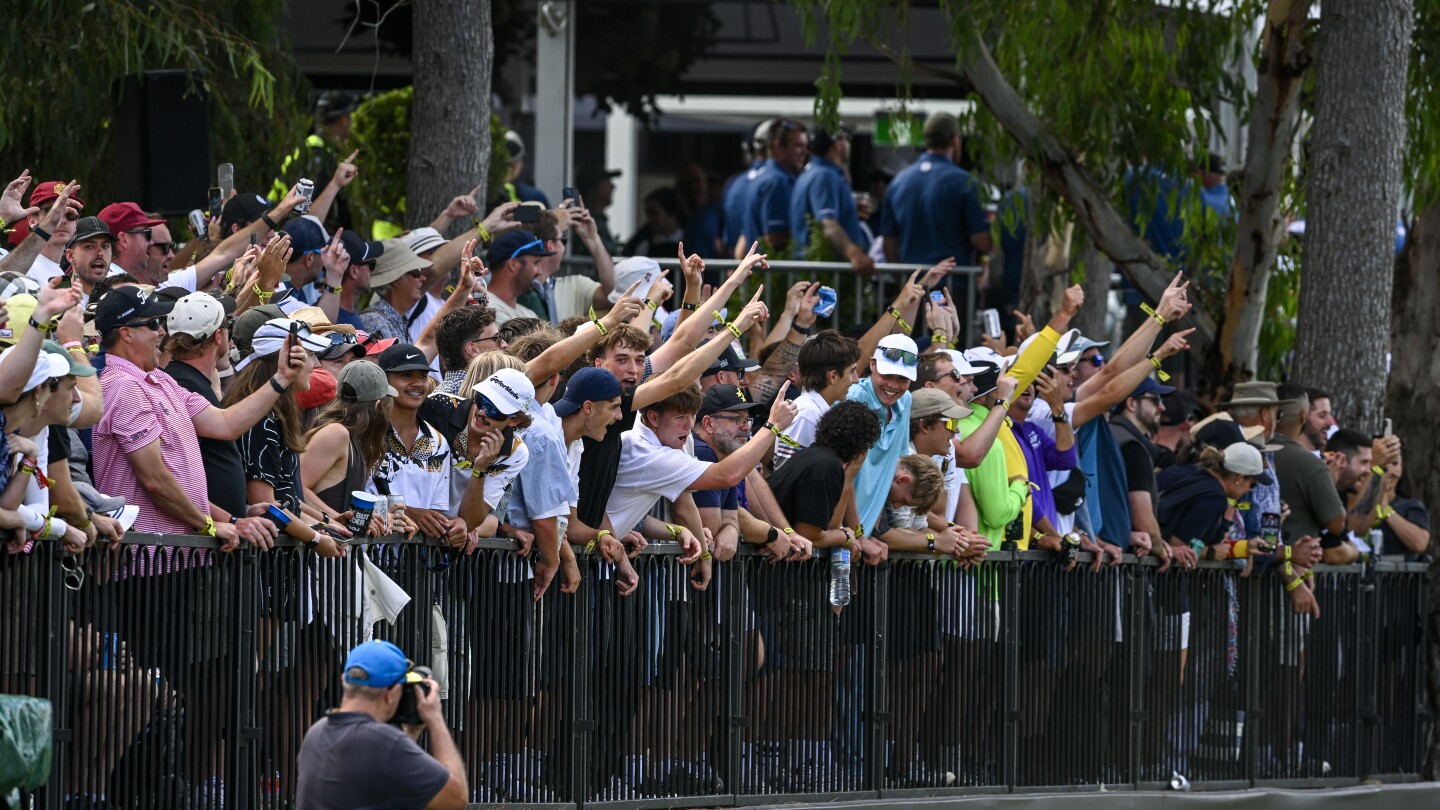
x=589, y=384
x=1149, y=386
x=518, y=242
x=377, y=664
x=306, y=234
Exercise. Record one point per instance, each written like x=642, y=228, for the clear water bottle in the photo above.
x=840, y=577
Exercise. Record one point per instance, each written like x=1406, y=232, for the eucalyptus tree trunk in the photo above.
x=1354, y=179
x=453, y=54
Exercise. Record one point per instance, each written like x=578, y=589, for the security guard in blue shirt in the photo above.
x=737, y=188
x=767, y=205
x=932, y=209
x=822, y=197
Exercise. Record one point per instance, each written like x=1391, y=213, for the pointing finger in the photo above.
x=630, y=292
x=756, y=296
x=352, y=157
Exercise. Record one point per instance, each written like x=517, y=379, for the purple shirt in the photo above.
x=1040, y=458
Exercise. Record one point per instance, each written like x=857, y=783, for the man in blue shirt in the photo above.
x=932, y=209
x=886, y=393
x=737, y=188
x=822, y=193
x=767, y=203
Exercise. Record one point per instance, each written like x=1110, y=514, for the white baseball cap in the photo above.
x=423, y=239
x=198, y=315
x=962, y=364
x=510, y=391
x=628, y=271
x=271, y=336
x=897, y=354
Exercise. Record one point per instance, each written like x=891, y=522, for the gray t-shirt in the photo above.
x=1306, y=486
x=350, y=761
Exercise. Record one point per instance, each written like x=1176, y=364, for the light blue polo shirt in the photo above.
x=872, y=484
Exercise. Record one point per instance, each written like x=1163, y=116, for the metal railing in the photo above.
x=860, y=300
x=183, y=677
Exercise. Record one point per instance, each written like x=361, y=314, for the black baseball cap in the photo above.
x=403, y=357
x=729, y=360
x=725, y=398
x=242, y=209
x=361, y=251
x=88, y=227
x=124, y=304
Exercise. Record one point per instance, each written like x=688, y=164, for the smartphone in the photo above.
x=937, y=298
x=1389, y=427
x=826, y=305
x=1270, y=530
x=527, y=214
x=990, y=318
x=291, y=342
x=569, y=193
x=225, y=176
x=214, y=201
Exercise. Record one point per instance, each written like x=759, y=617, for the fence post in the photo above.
x=1252, y=629
x=1367, y=670
x=1135, y=647
x=878, y=716
x=733, y=669
x=58, y=604
x=242, y=753
x=580, y=681
x=1009, y=585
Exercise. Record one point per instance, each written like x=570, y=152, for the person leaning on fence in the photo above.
x=354, y=757
x=416, y=465
x=1307, y=486
x=827, y=370
x=347, y=439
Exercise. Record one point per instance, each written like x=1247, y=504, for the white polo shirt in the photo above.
x=809, y=407
x=648, y=472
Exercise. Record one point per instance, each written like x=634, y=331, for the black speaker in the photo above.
x=161, y=144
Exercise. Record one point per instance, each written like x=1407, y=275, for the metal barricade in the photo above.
x=185, y=677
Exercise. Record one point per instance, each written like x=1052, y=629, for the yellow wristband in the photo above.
x=1241, y=548
x=895, y=313
x=705, y=555
x=734, y=330
x=1148, y=310
x=788, y=530
x=1159, y=372
x=674, y=530
x=263, y=295
x=485, y=237
x=1378, y=470
x=595, y=320
x=209, y=530
x=1293, y=584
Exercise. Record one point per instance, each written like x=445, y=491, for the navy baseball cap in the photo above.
x=725, y=398
x=1149, y=386
x=125, y=304
x=306, y=235
x=361, y=251
x=377, y=664
x=518, y=242
x=589, y=384
x=729, y=360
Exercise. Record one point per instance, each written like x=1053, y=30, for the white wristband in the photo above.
x=34, y=521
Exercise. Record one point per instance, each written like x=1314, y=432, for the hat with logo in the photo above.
x=1243, y=458
x=628, y=271
x=725, y=398
x=271, y=336
x=405, y=357
x=307, y=235
x=1256, y=392
x=126, y=216
x=124, y=304
x=509, y=390
x=88, y=228
x=49, y=190
x=196, y=314
x=897, y=354
x=518, y=242
x=242, y=209
x=934, y=402
x=250, y=320
x=730, y=360
x=17, y=319
x=962, y=364
x=75, y=369
x=422, y=240
x=396, y=260
x=364, y=382
x=1148, y=386
x=377, y=664
x=361, y=251
x=589, y=384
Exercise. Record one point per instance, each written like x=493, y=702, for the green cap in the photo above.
x=76, y=369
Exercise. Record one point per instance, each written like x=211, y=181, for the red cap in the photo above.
x=126, y=216
x=19, y=231
x=322, y=389
x=49, y=190
x=378, y=346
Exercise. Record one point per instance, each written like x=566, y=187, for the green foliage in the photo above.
x=1422, y=107
x=61, y=85
x=380, y=129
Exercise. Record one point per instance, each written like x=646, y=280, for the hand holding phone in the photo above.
x=291, y=342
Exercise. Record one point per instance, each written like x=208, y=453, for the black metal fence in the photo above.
x=185, y=678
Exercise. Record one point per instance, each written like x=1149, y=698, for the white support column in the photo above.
x=553, y=153
x=622, y=151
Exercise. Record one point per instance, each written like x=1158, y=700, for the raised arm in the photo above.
x=692, y=365
x=558, y=357
x=344, y=173
x=689, y=331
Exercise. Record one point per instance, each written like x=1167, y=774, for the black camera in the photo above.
x=408, y=712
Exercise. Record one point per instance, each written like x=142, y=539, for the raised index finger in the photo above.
x=915, y=275
x=352, y=157
x=630, y=292
x=756, y=296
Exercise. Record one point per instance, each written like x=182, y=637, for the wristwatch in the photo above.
x=1060, y=416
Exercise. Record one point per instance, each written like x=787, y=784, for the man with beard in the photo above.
x=1135, y=422
x=514, y=261
x=1307, y=485
x=1319, y=422
x=89, y=255
x=1357, y=467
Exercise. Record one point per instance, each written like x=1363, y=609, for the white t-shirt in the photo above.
x=574, y=295
x=184, y=277
x=42, y=270
x=505, y=312
x=432, y=308
x=809, y=407
x=648, y=471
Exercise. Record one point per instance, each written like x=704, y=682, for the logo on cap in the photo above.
x=740, y=392
x=501, y=384
x=59, y=188
x=141, y=295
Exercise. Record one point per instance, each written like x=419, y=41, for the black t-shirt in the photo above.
x=224, y=469
x=1192, y=505
x=1136, y=450
x=601, y=462
x=808, y=486
x=59, y=445
x=1408, y=508
x=349, y=761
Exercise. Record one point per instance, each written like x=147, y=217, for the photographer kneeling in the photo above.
x=353, y=759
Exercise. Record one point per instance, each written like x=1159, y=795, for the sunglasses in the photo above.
x=145, y=232
x=489, y=409
x=901, y=356
x=149, y=323
x=1149, y=398
x=341, y=338
x=1098, y=360
x=70, y=214
x=729, y=417
x=415, y=274
x=164, y=247
x=952, y=424
x=952, y=374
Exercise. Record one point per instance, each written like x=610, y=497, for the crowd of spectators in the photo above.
x=273, y=365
